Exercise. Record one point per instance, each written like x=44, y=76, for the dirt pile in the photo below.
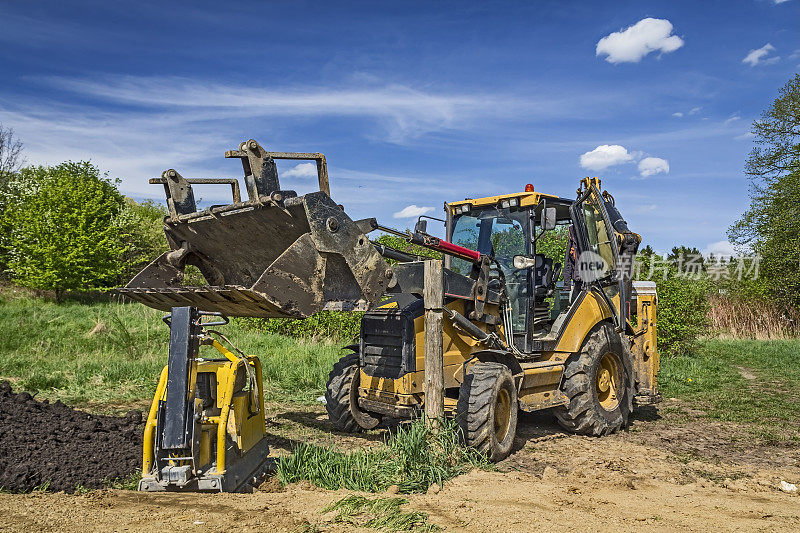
x=50, y=444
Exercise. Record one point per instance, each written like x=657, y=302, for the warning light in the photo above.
x=529, y=187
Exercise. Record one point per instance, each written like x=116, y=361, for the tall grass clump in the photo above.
x=752, y=318
x=414, y=457
x=379, y=513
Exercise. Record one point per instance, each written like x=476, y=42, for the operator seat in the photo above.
x=544, y=276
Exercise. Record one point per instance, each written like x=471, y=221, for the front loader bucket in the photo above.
x=274, y=255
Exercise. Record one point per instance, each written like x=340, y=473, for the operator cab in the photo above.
x=509, y=226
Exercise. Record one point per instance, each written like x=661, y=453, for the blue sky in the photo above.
x=412, y=103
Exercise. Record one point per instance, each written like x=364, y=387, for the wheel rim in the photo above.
x=502, y=415
x=608, y=382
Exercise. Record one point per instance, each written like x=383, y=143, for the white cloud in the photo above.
x=403, y=111
x=719, y=249
x=412, y=211
x=634, y=42
x=759, y=56
x=732, y=118
x=692, y=111
x=779, y=1
x=745, y=136
x=646, y=208
x=303, y=170
x=604, y=156
x=650, y=166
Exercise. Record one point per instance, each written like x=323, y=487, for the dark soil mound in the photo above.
x=50, y=444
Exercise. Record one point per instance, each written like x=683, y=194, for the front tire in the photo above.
x=598, y=380
x=341, y=397
x=487, y=409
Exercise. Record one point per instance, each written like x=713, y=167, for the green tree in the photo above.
x=143, y=223
x=553, y=244
x=62, y=229
x=769, y=227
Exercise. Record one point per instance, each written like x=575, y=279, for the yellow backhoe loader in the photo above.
x=514, y=336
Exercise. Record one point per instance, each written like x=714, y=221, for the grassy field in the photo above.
x=106, y=354
x=103, y=354
x=744, y=381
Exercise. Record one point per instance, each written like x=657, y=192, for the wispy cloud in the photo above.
x=645, y=208
x=412, y=211
x=759, y=56
x=692, y=111
x=731, y=119
x=404, y=111
x=136, y=127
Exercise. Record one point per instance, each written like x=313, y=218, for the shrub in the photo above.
x=399, y=243
x=336, y=325
x=682, y=314
x=682, y=304
x=143, y=224
x=62, y=232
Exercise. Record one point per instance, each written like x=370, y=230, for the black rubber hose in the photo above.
x=391, y=253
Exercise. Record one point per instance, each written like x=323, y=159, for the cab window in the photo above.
x=598, y=236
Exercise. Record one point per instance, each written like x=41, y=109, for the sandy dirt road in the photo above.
x=669, y=472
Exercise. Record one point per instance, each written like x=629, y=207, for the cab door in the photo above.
x=598, y=262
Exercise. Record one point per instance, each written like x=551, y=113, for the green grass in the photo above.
x=379, y=513
x=414, y=457
x=106, y=354
x=743, y=381
x=109, y=353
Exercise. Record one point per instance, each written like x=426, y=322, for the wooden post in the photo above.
x=434, y=372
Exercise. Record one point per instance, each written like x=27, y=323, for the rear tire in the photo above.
x=487, y=409
x=598, y=380
x=341, y=397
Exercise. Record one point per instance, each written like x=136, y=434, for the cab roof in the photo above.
x=525, y=199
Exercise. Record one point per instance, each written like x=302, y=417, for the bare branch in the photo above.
x=11, y=159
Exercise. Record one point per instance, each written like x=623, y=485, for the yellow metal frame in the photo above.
x=538, y=385
x=526, y=199
x=539, y=381
x=227, y=371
